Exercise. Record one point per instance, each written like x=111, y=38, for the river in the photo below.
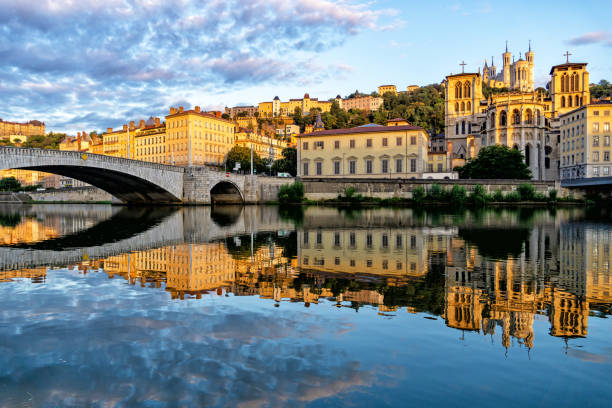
x=109, y=306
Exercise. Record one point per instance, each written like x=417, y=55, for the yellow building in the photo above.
x=276, y=108
x=383, y=89
x=437, y=162
x=585, y=141
x=196, y=138
x=119, y=143
x=366, y=103
x=247, y=122
x=370, y=151
x=264, y=146
x=150, y=142
x=27, y=129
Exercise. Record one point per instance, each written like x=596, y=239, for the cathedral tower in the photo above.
x=507, y=57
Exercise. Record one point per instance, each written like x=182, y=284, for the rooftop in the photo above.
x=370, y=128
x=568, y=65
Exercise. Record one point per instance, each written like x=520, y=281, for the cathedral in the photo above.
x=515, y=114
x=514, y=76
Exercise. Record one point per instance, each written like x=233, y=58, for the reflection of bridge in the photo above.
x=134, y=181
x=171, y=227
x=601, y=184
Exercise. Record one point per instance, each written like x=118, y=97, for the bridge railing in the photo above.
x=28, y=151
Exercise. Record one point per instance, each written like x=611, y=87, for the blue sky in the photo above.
x=90, y=64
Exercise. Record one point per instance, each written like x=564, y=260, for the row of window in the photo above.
x=352, y=166
x=569, y=159
x=570, y=83
x=369, y=263
x=320, y=144
x=598, y=171
x=369, y=239
x=201, y=123
x=575, y=101
x=516, y=118
x=463, y=90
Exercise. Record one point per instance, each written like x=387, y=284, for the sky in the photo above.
x=90, y=64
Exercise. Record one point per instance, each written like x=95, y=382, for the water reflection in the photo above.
x=516, y=277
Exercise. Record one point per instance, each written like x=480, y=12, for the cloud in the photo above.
x=595, y=37
x=67, y=59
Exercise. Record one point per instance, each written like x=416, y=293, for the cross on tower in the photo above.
x=463, y=64
x=567, y=55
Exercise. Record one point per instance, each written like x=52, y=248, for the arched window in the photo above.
x=492, y=122
x=469, y=127
x=569, y=101
x=527, y=154
x=538, y=117
x=456, y=106
x=572, y=83
x=563, y=101
x=462, y=106
x=463, y=127
x=458, y=90
x=567, y=88
x=563, y=78
x=503, y=120
x=529, y=117
x=576, y=82
x=457, y=128
x=577, y=101
x=469, y=106
x=467, y=90
x=516, y=117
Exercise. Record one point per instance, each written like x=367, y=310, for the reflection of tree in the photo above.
x=497, y=243
x=239, y=247
x=10, y=220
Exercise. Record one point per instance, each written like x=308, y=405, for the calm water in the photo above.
x=159, y=307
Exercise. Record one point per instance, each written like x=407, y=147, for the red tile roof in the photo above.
x=362, y=129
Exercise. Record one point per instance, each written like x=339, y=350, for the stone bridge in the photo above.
x=135, y=181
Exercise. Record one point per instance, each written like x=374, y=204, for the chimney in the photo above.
x=124, y=128
x=172, y=110
x=132, y=125
x=108, y=130
x=180, y=109
x=156, y=121
x=218, y=114
x=197, y=109
x=141, y=123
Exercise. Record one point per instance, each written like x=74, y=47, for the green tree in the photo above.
x=603, y=88
x=495, y=162
x=242, y=155
x=10, y=184
x=288, y=164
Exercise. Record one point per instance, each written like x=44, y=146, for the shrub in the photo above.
x=512, y=197
x=526, y=192
x=418, y=195
x=291, y=193
x=552, y=195
x=349, y=192
x=479, y=196
x=498, y=196
x=436, y=193
x=457, y=195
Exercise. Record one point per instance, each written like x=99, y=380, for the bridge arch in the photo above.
x=226, y=192
x=131, y=181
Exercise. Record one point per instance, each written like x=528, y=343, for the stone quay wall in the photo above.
x=322, y=189
x=73, y=194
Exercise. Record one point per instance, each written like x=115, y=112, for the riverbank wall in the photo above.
x=73, y=195
x=325, y=189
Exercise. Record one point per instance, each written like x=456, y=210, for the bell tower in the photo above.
x=507, y=57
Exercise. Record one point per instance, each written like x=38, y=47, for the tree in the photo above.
x=10, y=184
x=603, y=88
x=242, y=155
x=495, y=162
x=288, y=164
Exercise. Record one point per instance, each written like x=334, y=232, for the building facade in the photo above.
x=27, y=129
x=515, y=75
x=276, y=108
x=366, y=103
x=370, y=151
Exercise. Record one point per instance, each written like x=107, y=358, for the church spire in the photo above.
x=506, y=45
x=529, y=45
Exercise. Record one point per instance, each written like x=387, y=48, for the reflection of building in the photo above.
x=386, y=252
x=28, y=230
x=36, y=275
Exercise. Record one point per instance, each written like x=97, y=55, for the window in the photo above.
x=596, y=127
x=337, y=144
x=385, y=142
x=305, y=172
x=336, y=238
x=306, y=236
x=430, y=168
x=385, y=264
x=319, y=237
x=337, y=167
x=595, y=141
x=336, y=261
x=385, y=241
x=595, y=156
x=606, y=140
x=398, y=141
x=606, y=127
x=399, y=241
x=305, y=145
x=440, y=167
x=352, y=263
x=318, y=145
x=595, y=113
x=413, y=165
x=352, y=166
x=398, y=165
x=319, y=168
x=352, y=239
x=368, y=142
x=369, y=263
x=606, y=157
x=352, y=143
x=606, y=171
x=413, y=140
x=369, y=166
x=369, y=241
x=596, y=171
